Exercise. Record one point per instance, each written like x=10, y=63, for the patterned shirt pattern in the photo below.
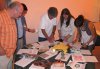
x=8, y=33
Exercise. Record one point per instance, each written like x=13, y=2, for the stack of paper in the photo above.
x=24, y=62
x=67, y=56
x=35, y=67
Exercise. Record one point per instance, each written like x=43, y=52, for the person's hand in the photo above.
x=2, y=52
x=50, y=40
x=31, y=30
x=84, y=45
x=65, y=39
x=26, y=28
x=74, y=41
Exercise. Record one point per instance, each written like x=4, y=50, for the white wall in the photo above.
x=36, y=8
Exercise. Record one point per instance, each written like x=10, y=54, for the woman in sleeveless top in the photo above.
x=86, y=32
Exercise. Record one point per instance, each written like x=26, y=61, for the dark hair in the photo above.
x=53, y=11
x=24, y=6
x=67, y=12
x=79, y=21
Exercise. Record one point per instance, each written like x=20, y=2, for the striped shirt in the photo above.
x=8, y=33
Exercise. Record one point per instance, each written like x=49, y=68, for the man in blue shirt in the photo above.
x=21, y=29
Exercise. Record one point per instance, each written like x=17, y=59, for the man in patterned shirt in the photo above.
x=8, y=34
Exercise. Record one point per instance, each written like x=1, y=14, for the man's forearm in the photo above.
x=44, y=33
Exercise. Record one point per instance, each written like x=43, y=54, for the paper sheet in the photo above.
x=66, y=57
x=76, y=45
x=75, y=65
x=36, y=45
x=28, y=51
x=90, y=59
x=85, y=52
x=41, y=44
x=53, y=67
x=24, y=62
x=78, y=58
x=50, y=54
x=35, y=67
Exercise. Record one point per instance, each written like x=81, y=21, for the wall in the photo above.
x=36, y=8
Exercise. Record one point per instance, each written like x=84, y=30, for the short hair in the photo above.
x=79, y=21
x=24, y=6
x=13, y=4
x=53, y=11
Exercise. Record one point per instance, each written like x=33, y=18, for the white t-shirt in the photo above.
x=47, y=24
x=66, y=30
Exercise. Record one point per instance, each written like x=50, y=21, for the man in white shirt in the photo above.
x=48, y=25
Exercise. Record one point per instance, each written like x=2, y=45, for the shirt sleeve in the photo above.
x=43, y=23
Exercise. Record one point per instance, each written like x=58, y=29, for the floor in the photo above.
x=96, y=53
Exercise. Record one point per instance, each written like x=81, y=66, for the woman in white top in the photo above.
x=66, y=26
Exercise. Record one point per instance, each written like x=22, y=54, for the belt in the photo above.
x=20, y=38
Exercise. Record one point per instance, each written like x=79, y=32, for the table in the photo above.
x=89, y=65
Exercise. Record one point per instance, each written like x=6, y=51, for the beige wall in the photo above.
x=36, y=8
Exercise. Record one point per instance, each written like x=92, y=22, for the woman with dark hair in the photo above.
x=66, y=26
x=86, y=32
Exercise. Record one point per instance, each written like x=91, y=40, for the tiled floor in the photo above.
x=96, y=53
